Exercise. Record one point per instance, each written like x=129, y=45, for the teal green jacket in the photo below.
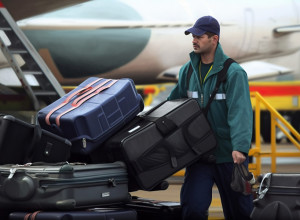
x=230, y=113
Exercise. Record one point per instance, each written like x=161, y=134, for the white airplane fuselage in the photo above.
x=144, y=40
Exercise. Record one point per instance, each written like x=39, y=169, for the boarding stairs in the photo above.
x=35, y=77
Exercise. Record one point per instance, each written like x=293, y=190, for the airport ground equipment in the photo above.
x=285, y=98
x=34, y=75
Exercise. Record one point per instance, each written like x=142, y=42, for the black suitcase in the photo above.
x=62, y=186
x=149, y=209
x=94, y=214
x=21, y=142
x=278, y=197
x=160, y=142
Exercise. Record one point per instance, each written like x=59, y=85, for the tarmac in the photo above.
x=283, y=165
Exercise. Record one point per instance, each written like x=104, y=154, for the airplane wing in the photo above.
x=170, y=74
x=260, y=70
x=255, y=70
x=20, y=9
x=287, y=29
x=86, y=24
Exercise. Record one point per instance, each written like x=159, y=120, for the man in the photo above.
x=230, y=117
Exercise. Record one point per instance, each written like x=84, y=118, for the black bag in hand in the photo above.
x=242, y=180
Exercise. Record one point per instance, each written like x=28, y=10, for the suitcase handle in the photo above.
x=163, y=124
x=80, y=102
x=67, y=100
x=262, y=193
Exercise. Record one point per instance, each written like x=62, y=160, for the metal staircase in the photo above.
x=27, y=63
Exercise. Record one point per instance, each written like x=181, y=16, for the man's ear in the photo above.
x=216, y=38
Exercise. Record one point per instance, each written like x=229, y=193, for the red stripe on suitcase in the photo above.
x=79, y=103
x=34, y=215
x=89, y=92
x=26, y=217
x=67, y=100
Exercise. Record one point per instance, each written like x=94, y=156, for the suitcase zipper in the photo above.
x=110, y=181
x=283, y=190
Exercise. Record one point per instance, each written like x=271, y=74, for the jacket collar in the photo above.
x=219, y=60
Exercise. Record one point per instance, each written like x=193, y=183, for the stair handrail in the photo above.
x=275, y=117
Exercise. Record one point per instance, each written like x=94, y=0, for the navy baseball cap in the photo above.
x=203, y=25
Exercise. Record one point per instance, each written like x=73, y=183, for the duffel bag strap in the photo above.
x=163, y=124
x=220, y=78
x=68, y=99
x=172, y=155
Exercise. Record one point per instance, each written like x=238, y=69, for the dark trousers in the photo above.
x=196, y=192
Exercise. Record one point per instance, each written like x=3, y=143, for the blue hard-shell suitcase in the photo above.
x=94, y=214
x=92, y=112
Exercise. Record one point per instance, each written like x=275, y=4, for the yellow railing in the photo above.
x=282, y=124
x=256, y=151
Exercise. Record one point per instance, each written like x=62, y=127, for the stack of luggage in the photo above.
x=92, y=147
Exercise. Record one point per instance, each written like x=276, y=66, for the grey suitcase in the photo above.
x=62, y=186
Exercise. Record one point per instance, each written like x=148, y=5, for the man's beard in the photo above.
x=201, y=50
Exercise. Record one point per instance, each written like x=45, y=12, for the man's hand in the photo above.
x=238, y=157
